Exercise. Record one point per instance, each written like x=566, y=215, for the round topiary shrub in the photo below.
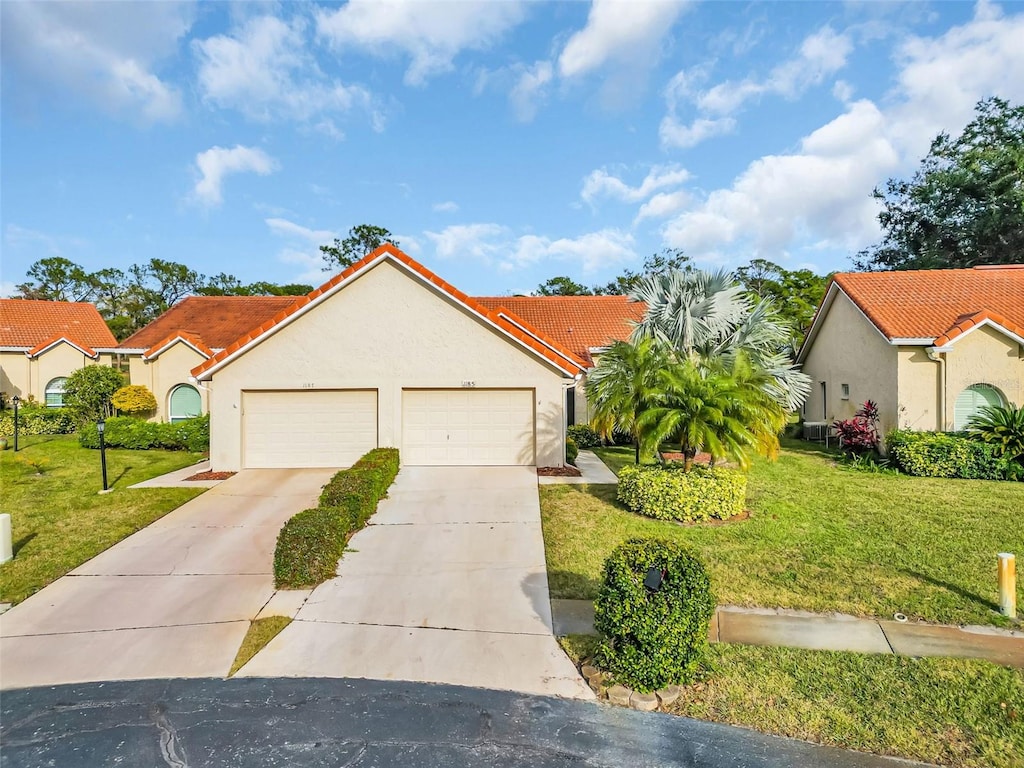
x=133, y=399
x=670, y=493
x=653, y=638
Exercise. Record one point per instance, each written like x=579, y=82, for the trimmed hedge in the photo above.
x=311, y=543
x=944, y=454
x=36, y=420
x=140, y=435
x=653, y=639
x=584, y=435
x=669, y=493
x=571, y=451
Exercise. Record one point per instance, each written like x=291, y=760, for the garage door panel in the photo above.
x=308, y=428
x=468, y=427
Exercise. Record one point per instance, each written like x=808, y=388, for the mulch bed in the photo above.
x=700, y=458
x=559, y=472
x=211, y=476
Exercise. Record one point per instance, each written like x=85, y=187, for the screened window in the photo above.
x=972, y=400
x=185, y=403
x=55, y=392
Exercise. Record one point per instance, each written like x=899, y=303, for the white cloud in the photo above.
x=482, y=241
x=431, y=33
x=102, y=52
x=662, y=205
x=821, y=54
x=530, y=89
x=286, y=228
x=618, y=31
x=263, y=69
x=601, y=183
x=218, y=162
x=311, y=264
x=448, y=206
x=7, y=289
x=593, y=251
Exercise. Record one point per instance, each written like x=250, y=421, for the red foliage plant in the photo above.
x=860, y=434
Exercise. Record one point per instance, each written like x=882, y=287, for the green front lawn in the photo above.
x=950, y=711
x=58, y=518
x=821, y=538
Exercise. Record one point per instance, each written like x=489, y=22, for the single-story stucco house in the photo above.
x=43, y=342
x=930, y=347
x=388, y=353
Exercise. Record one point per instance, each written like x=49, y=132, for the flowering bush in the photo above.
x=860, y=434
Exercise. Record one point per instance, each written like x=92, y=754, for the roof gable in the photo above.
x=43, y=347
x=543, y=348
x=29, y=323
x=178, y=338
x=929, y=307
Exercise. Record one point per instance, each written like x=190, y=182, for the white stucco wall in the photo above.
x=165, y=372
x=24, y=376
x=385, y=331
x=848, y=349
x=983, y=356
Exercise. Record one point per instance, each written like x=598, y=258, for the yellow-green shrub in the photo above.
x=134, y=398
x=669, y=493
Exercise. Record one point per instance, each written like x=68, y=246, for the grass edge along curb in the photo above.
x=312, y=541
x=257, y=636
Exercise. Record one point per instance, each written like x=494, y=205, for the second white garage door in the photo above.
x=482, y=427
x=307, y=428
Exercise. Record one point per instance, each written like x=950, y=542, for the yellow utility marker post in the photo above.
x=1007, y=585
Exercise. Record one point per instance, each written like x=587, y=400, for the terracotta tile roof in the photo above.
x=965, y=323
x=577, y=323
x=541, y=346
x=42, y=346
x=28, y=323
x=216, y=321
x=927, y=304
x=188, y=338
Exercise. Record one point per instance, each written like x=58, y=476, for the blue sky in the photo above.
x=501, y=142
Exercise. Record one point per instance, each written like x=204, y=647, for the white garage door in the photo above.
x=307, y=428
x=467, y=427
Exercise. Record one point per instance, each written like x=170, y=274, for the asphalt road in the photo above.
x=279, y=723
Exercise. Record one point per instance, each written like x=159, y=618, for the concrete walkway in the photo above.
x=593, y=471
x=446, y=585
x=834, y=632
x=173, y=600
x=176, y=479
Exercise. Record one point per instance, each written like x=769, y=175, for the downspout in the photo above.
x=937, y=354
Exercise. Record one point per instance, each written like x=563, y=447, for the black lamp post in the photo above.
x=15, y=400
x=101, y=426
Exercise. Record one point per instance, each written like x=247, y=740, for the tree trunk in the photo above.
x=636, y=443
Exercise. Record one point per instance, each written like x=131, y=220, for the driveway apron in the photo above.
x=446, y=585
x=173, y=600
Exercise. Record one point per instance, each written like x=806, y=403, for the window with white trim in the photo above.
x=970, y=402
x=55, y=392
x=846, y=391
x=184, y=403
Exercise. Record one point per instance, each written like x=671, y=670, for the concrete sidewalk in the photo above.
x=592, y=472
x=177, y=479
x=831, y=632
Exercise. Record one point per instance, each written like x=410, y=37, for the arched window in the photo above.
x=185, y=403
x=972, y=400
x=55, y=392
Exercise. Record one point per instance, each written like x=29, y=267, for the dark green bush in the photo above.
x=669, y=493
x=38, y=420
x=653, y=639
x=309, y=547
x=308, y=551
x=140, y=435
x=584, y=435
x=945, y=454
x=571, y=451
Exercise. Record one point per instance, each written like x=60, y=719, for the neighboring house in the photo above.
x=43, y=342
x=162, y=355
x=388, y=353
x=585, y=325
x=929, y=347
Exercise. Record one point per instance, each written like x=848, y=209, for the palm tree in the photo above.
x=723, y=409
x=704, y=316
x=624, y=384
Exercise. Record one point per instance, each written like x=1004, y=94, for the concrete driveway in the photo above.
x=447, y=585
x=173, y=600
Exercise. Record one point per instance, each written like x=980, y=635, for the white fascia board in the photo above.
x=992, y=324
x=171, y=343
x=62, y=340
x=534, y=336
x=208, y=374
x=914, y=342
